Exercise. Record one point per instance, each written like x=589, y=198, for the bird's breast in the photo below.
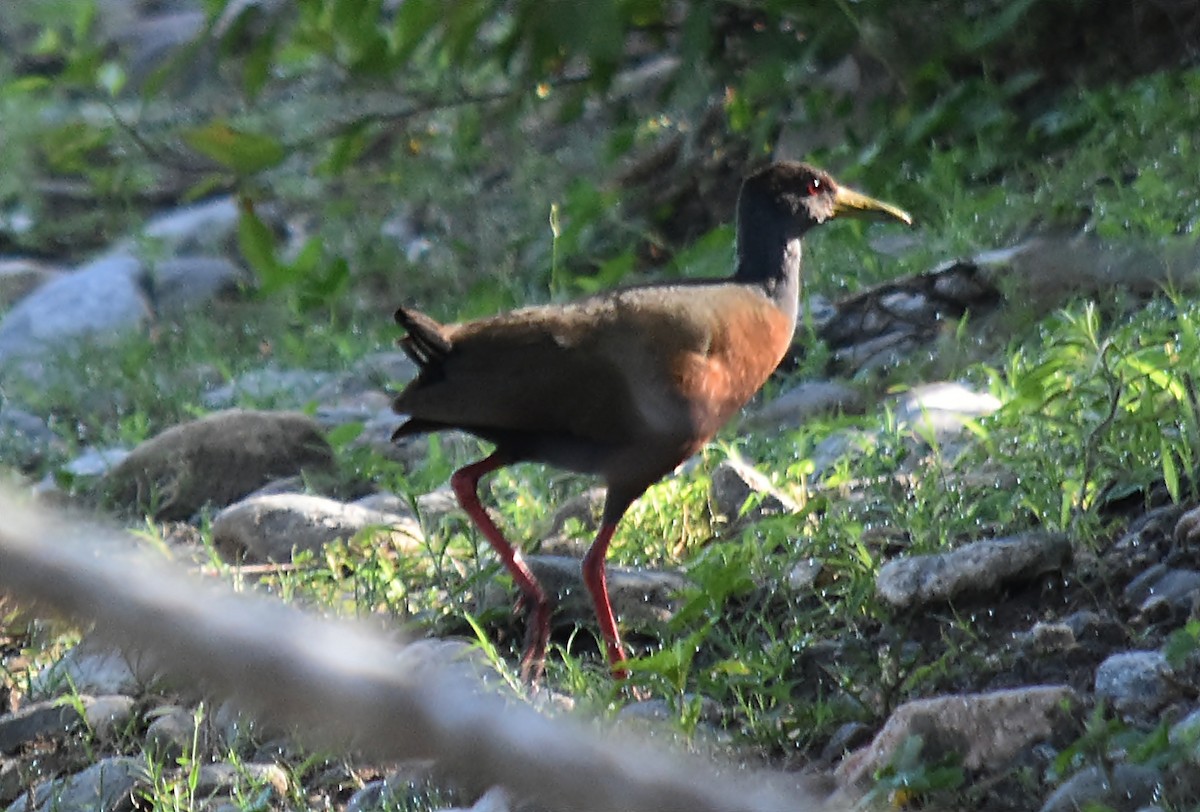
x=746, y=346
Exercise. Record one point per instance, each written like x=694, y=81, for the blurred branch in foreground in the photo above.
x=343, y=686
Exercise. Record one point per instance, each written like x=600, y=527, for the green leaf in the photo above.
x=731, y=668
x=207, y=185
x=308, y=258
x=24, y=85
x=343, y=435
x=321, y=289
x=243, y=152
x=1182, y=644
x=1170, y=470
x=257, y=245
x=415, y=19
x=257, y=68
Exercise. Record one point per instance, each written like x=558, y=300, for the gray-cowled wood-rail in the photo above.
x=624, y=385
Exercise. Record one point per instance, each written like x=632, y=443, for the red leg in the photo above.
x=597, y=583
x=465, y=482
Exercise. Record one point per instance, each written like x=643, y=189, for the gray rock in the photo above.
x=1187, y=528
x=642, y=599
x=12, y=780
x=875, y=353
x=35, y=721
x=1185, y=734
x=171, y=733
x=954, y=284
x=848, y=737
x=377, y=435
x=973, y=568
x=216, y=460
x=94, y=462
x=807, y=401
x=25, y=439
x=270, y=528
x=1047, y=270
x=1124, y=788
x=437, y=505
x=1160, y=585
x=232, y=730
x=221, y=778
x=494, y=800
x=109, y=717
x=660, y=710
x=406, y=788
x=20, y=277
x=1049, y=638
x=152, y=41
x=347, y=388
x=1090, y=626
x=431, y=507
x=107, y=786
x=845, y=444
x=372, y=797
x=92, y=667
x=283, y=388
x=1142, y=586
x=105, y=716
x=584, y=508
x=349, y=408
x=984, y=731
x=1134, y=682
x=441, y=657
x=909, y=306
x=803, y=576
x=1139, y=547
x=819, y=310
x=385, y=502
x=285, y=484
x=200, y=227
x=390, y=368
x=104, y=297
x=742, y=495
x=182, y=284
x=411, y=452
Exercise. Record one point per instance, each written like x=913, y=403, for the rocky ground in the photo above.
x=1073, y=676
x=1061, y=630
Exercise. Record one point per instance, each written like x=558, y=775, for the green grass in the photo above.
x=1099, y=402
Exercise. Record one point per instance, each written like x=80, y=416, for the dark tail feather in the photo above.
x=426, y=342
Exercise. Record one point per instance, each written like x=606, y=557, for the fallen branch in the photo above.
x=342, y=685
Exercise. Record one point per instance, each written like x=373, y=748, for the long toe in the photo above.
x=537, y=638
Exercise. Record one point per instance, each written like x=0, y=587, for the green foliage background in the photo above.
x=548, y=148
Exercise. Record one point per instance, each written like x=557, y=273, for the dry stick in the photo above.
x=341, y=685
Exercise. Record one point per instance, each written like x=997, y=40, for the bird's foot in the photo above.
x=537, y=638
x=533, y=667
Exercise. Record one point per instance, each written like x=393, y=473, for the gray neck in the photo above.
x=768, y=255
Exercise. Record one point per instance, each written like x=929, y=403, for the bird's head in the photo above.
x=808, y=196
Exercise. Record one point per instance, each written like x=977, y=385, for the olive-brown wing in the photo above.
x=653, y=361
x=540, y=370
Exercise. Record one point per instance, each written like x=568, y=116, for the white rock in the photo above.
x=202, y=225
x=271, y=527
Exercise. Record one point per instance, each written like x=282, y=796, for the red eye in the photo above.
x=814, y=187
